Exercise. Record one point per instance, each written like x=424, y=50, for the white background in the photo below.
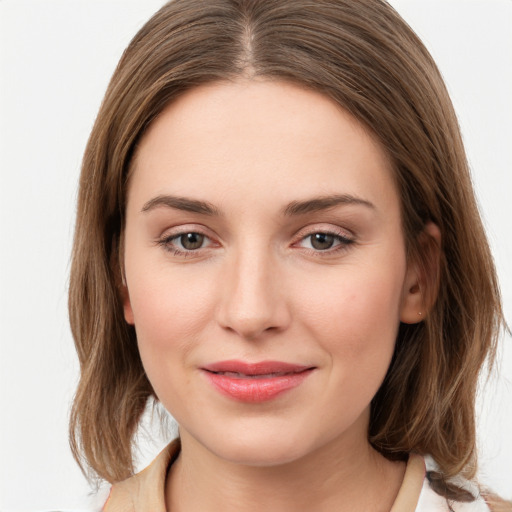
x=56, y=58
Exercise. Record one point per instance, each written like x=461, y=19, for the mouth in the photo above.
x=255, y=382
x=236, y=375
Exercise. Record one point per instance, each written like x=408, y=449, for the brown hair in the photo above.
x=367, y=59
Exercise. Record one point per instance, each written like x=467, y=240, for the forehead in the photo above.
x=251, y=136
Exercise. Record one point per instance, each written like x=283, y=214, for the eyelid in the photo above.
x=329, y=229
x=183, y=229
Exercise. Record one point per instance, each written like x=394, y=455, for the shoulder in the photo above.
x=430, y=501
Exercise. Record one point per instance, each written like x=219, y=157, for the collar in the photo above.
x=145, y=491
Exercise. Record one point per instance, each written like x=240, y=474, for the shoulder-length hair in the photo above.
x=367, y=59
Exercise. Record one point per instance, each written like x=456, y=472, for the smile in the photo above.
x=236, y=375
x=255, y=382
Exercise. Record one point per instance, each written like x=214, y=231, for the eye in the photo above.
x=325, y=242
x=185, y=243
x=322, y=241
x=190, y=241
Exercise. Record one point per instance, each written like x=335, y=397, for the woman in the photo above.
x=277, y=238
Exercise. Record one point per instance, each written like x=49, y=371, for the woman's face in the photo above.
x=265, y=269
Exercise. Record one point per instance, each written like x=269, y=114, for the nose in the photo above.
x=253, y=298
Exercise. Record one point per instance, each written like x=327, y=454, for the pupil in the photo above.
x=322, y=241
x=192, y=241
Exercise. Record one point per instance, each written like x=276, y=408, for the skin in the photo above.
x=257, y=289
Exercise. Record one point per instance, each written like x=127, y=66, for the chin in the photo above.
x=262, y=454
x=258, y=446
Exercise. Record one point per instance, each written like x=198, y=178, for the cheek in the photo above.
x=355, y=316
x=170, y=310
x=170, y=315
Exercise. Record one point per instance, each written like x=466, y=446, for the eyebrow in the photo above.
x=181, y=203
x=292, y=209
x=324, y=203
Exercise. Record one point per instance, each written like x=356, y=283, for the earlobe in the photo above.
x=413, y=306
x=422, y=279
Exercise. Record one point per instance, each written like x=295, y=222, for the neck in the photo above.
x=346, y=474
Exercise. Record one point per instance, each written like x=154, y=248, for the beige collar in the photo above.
x=145, y=492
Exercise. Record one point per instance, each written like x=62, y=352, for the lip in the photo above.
x=255, y=382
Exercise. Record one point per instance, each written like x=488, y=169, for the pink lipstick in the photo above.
x=255, y=382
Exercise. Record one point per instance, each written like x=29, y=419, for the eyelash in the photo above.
x=343, y=243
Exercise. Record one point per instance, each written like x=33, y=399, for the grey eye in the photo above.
x=322, y=241
x=191, y=241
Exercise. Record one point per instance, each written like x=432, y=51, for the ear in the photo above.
x=421, y=282
x=117, y=265
x=127, y=305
